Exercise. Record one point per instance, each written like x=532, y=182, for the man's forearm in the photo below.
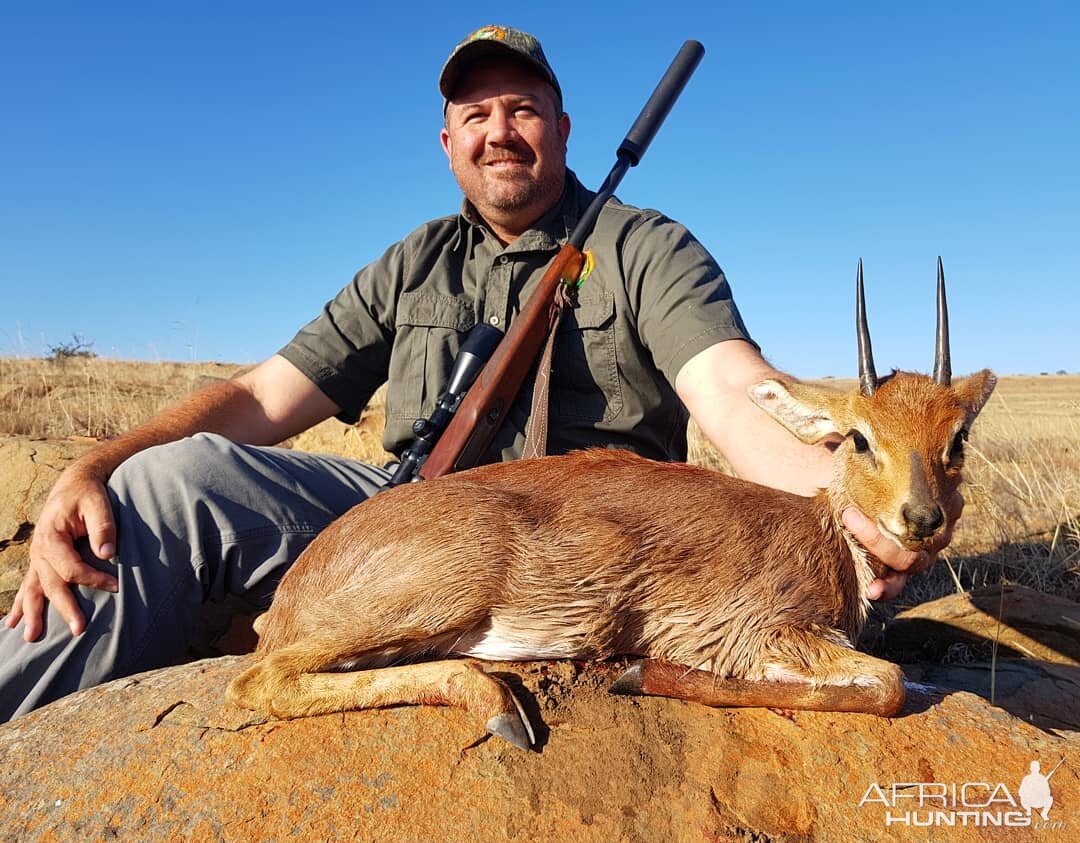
x=713, y=385
x=768, y=454
x=227, y=408
x=762, y=451
x=264, y=406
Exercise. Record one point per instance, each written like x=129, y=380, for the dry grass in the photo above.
x=1022, y=521
x=93, y=396
x=1021, y=525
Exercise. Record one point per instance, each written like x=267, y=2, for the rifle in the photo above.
x=1062, y=761
x=479, y=414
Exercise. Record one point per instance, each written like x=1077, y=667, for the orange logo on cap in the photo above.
x=489, y=33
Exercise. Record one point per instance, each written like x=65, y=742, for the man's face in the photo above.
x=506, y=141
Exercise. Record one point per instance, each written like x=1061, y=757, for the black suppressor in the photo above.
x=641, y=134
x=479, y=345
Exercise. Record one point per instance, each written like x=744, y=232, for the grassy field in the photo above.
x=1021, y=524
x=92, y=396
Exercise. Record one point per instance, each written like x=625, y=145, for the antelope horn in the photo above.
x=942, y=358
x=867, y=375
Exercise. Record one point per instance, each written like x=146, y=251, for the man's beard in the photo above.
x=515, y=191
x=515, y=194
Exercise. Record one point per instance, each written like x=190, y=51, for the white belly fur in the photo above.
x=499, y=644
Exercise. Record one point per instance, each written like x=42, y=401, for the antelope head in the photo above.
x=903, y=435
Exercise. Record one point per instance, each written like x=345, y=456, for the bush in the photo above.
x=78, y=347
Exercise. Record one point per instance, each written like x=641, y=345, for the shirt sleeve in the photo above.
x=345, y=350
x=683, y=301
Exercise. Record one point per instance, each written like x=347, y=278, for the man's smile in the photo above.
x=505, y=162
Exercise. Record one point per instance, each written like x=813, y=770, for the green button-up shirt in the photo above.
x=655, y=299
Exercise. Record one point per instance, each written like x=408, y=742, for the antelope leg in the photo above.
x=272, y=687
x=850, y=681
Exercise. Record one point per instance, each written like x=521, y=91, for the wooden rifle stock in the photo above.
x=488, y=400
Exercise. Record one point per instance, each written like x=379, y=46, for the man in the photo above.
x=118, y=571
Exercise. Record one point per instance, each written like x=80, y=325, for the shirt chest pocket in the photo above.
x=585, y=373
x=429, y=331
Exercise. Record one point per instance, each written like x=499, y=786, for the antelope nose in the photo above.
x=923, y=521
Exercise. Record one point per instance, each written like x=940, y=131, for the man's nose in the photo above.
x=501, y=127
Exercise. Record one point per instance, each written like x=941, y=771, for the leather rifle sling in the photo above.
x=536, y=430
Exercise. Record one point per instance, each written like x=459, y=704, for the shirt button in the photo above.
x=503, y=259
x=494, y=320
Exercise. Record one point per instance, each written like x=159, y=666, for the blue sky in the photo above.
x=193, y=180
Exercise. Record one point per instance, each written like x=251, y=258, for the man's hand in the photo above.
x=901, y=563
x=268, y=404
x=77, y=506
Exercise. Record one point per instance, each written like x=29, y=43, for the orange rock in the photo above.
x=162, y=756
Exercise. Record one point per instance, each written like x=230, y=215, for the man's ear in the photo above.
x=802, y=409
x=974, y=390
x=564, y=127
x=447, y=145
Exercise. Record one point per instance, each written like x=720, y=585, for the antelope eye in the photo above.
x=956, y=450
x=861, y=445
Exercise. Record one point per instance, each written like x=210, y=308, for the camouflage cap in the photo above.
x=490, y=41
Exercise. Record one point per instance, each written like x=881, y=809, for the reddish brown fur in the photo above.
x=908, y=413
x=603, y=553
x=522, y=544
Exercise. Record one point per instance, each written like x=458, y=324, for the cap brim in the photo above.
x=476, y=51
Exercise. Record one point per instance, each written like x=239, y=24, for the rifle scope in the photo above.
x=474, y=353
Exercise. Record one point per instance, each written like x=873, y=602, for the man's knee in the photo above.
x=163, y=470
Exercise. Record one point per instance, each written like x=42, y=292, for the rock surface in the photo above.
x=1023, y=622
x=1033, y=671
x=162, y=756
x=1042, y=693
x=361, y=441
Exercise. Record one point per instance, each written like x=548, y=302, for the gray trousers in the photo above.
x=196, y=519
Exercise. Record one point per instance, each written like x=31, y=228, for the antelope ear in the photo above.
x=803, y=410
x=974, y=390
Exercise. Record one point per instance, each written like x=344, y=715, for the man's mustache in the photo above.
x=522, y=157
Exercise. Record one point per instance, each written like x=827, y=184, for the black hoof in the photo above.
x=630, y=682
x=510, y=729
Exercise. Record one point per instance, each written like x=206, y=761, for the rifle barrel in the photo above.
x=637, y=140
x=639, y=137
